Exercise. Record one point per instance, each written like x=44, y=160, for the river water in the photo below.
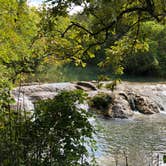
x=140, y=141
x=137, y=141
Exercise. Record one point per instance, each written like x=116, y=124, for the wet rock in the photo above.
x=145, y=105
x=25, y=96
x=124, y=104
x=117, y=112
x=127, y=98
x=141, y=103
x=42, y=95
x=86, y=85
x=120, y=108
x=112, y=105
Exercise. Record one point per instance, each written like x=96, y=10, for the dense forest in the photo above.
x=113, y=37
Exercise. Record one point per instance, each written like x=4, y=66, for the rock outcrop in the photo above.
x=122, y=103
x=25, y=96
x=125, y=103
x=145, y=105
x=120, y=108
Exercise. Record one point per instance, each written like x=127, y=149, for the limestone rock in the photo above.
x=111, y=105
x=124, y=104
x=145, y=105
x=127, y=98
x=120, y=108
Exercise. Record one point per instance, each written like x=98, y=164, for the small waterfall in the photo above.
x=132, y=103
x=25, y=96
x=23, y=102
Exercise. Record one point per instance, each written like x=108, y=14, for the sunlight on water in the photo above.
x=137, y=141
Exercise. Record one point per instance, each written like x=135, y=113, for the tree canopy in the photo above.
x=123, y=35
x=115, y=25
x=31, y=37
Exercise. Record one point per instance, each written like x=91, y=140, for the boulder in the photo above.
x=123, y=104
x=120, y=108
x=145, y=105
x=111, y=105
x=127, y=98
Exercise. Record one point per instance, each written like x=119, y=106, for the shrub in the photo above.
x=57, y=135
x=101, y=102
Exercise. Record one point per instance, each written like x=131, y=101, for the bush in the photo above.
x=57, y=135
x=101, y=102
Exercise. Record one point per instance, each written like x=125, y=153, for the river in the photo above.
x=140, y=141
x=137, y=141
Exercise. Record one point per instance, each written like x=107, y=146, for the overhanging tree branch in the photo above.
x=119, y=17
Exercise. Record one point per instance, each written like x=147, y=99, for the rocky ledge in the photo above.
x=123, y=102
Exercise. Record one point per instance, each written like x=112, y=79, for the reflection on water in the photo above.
x=134, y=142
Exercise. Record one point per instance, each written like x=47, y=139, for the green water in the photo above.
x=135, y=140
x=69, y=73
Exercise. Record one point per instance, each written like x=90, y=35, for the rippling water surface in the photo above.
x=136, y=142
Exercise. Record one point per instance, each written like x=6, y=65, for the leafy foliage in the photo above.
x=153, y=61
x=101, y=101
x=58, y=134
x=113, y=26
x=17, y=30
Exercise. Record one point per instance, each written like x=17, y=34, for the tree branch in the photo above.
x=120, y=16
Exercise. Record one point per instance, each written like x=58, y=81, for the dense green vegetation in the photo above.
x=118, y=36
x=129, y=39
x=57, y=133
x=116, y=32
